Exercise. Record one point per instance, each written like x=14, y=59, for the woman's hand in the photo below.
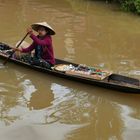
x=29, y=30
x=17, y=49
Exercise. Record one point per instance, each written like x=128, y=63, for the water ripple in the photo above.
x=69, y=106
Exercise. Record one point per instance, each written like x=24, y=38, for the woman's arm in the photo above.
x=28, y=49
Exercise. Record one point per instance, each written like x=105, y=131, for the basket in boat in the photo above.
x=62, y=67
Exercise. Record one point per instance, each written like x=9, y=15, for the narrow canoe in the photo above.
x=114, y=81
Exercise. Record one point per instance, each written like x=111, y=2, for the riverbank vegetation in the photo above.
x=128, y=5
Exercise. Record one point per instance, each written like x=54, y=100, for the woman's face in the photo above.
x=42, y=31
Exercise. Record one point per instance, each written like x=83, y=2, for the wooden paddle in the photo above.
x=14, y=50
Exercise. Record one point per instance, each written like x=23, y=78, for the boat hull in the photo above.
x=114, y=81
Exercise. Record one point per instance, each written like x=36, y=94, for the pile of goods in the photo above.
x=83, y=70
x=5, y=50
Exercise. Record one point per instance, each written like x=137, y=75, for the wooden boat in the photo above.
x=113, y=81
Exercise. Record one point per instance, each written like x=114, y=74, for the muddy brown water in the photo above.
x=37, y=106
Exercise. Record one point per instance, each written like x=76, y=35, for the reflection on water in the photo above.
x=131, y=124
x=73, y=111
x=38, y=106
x=28, y=89
x=69, y=45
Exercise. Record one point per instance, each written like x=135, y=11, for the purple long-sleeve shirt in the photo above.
x=46, y=44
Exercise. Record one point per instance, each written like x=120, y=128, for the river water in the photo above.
x=37, y=106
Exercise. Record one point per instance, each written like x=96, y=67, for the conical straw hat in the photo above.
x=44, y=24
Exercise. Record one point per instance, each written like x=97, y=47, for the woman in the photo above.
x=42, y=44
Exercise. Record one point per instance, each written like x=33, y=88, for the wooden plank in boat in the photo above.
x=91, y=76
